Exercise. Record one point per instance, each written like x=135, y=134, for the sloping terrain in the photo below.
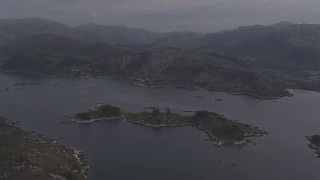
x=64, y=56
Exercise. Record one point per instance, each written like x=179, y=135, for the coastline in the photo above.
x=153, y=84
x=161, y=125
x=93, y=120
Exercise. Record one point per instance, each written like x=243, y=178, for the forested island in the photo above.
x=219, y=128
x=25, y=155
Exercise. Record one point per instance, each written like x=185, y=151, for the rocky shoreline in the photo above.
x=93, y=120
x=27, y=85
x=314, y=145
x=25, y=155
x=218, y=143
x=245, y=141
x=160, y=125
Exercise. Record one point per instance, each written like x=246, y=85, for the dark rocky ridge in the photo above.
x=282, y=46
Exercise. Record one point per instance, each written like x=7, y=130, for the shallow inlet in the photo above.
x=120, y=150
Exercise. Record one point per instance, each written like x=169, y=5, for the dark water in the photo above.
x=120, y=150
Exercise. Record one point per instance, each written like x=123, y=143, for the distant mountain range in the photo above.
x=252, y=60
x=12, y=30
x=284, y=45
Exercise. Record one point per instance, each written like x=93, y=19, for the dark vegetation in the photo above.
x=214, y=124
x=315, y=143
x=315, y=139
x=221, y=127
x=159, y=118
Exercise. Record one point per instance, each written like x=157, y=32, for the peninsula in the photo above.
x=25, y=155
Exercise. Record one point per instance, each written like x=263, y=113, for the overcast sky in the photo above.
x=167, y=15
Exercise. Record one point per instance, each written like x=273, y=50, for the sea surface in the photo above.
x=119, y=150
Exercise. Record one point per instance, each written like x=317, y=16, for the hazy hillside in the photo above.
x=182, y=39
x=94, y=33
x=12, y=30
x=175, y=65
x=226, y=40
x=283, y=45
